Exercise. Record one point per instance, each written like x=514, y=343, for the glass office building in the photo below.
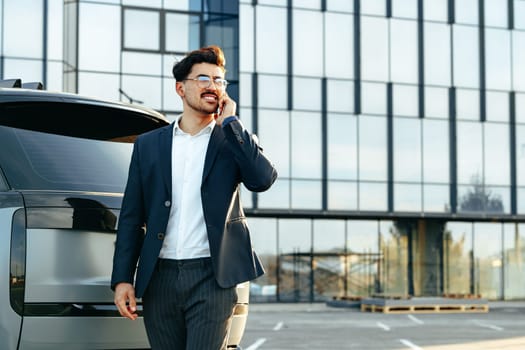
x=397, y=126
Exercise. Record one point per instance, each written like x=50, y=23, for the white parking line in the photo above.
x=256, y=345
x=278, y=326
x=496, y=328
x=410, y=344
x=384, y=326
x=415, y=319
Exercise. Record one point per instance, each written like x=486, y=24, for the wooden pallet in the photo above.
x=418, y=306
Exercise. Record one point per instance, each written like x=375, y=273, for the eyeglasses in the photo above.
x=204, y=81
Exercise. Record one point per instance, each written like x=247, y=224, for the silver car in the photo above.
x=63, y=166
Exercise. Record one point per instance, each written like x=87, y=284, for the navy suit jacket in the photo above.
x=233, y=157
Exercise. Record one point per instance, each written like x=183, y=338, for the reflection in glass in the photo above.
x=457, y=258
x=497, y=106
x=273, y=91
x=436, y=102
x=342, y=148
x=278, y=196
x=437, y=54
x=307, y=94
x=22, y=29
x=518, y=56
x=141, y=29
x=393, y=243
x=307, y=43
x=406, y=100
x=306, y=145
x=436, y=198
x=271, y=43
x=373, y=7
x=435, y=151
x=372, y=148
x=403, y=51
x=407, y=149
x=374, y=48
x=467, y=104
x=373, y=98
x=372, y=196
x=497, y=58
x=466, y=11
x=466, y=56
x=306, y=194
x=496, y=13
x=520, y=155
x=182, y=32
x=435, y=10
x=342, y=195
x=469, y=151
x=514, y=260
x=496, y=153
x=407, y=197
x=405, y=8
x=338, y=55
x=488, y=260
x=263, y=232
x=278, y=149
x=340, y=96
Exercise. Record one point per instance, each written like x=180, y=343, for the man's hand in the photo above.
x=125, y=300
x=227, y=108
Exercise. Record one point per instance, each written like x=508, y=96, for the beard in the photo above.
x=202, y=107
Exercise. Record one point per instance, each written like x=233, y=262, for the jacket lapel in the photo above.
x=166, y=140
x=216, y=139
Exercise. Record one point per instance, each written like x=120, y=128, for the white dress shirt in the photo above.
x=186, y=235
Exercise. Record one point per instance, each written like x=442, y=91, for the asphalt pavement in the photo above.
x=282, y=326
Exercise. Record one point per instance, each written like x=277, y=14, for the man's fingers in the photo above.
x=125, y=301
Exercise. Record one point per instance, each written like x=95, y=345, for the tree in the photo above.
x=479, y=198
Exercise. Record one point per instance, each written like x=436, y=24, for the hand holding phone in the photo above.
x=227, y=107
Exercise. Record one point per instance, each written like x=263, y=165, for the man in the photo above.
x=181, y=216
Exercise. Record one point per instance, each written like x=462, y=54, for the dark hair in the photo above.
x=210, y=54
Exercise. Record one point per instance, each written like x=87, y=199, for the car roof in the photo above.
x=75, y=115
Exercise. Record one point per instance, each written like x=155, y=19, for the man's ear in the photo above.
x=179, y=88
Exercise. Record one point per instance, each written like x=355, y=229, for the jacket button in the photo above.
x=167, y=203
x=160, y=236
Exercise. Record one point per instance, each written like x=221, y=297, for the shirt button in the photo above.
x=160, y=236
x=167, y=203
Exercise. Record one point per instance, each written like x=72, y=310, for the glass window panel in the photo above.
x=407, y=149
x=295, y=235
x=141, y=29
x=479, y=199
x=306, y=194
x=307, y=94
x=457, y=258
x=276, y=140
x=497, y=106
x=144, y=3
x=519, y=14
x=278, y=196
x=340, y=96
x=498, y=199
x=272, y=45
x=363, y=236
x=403, y=51
x=372, y=196
x=373, y=98
x=141, y=63
x=467, y=104
x=182, y=32
x=435, y=10
x=521, y=200
x=436, y=198
x=171, y=101
x=374, y=48
x=436, y=102
x=104, y=86
x=487, y=259
x=184, y=5
x=23, y=22
x=246, y=38
x=404, y=8
x=406, y=100
x=372, y=148
x=245, y=97
x=307, y=42
x=373, y=7
x=469, y=150
x=518, y=56
x=245, y=114
x=407, y=197
x=520, y=108
x=55, y=29
x=497, y=59
x=394, y=249
x=263, y=232
x=466, y=11
x=340, y=5
x=310, y=4
x=246, y=197
x=342, y=195
x=466, y=56
x=514, y=260
x=329, y=236
x=145, y=89
x=339, y=54
x=27, y=70
x=496, y=13
x=496, y=148
x=272, y=91
x=437, y=55
x=54, y=76
x=99, y=38
x=435, y=151
x=342, y=148
x=306, y=145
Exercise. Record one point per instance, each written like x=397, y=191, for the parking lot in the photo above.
x=318, y=326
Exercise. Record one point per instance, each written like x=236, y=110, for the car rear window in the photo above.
x=33, y=160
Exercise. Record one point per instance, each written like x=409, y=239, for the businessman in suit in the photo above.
x=182, y=241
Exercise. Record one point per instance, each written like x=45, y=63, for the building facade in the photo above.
x=397, y=126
